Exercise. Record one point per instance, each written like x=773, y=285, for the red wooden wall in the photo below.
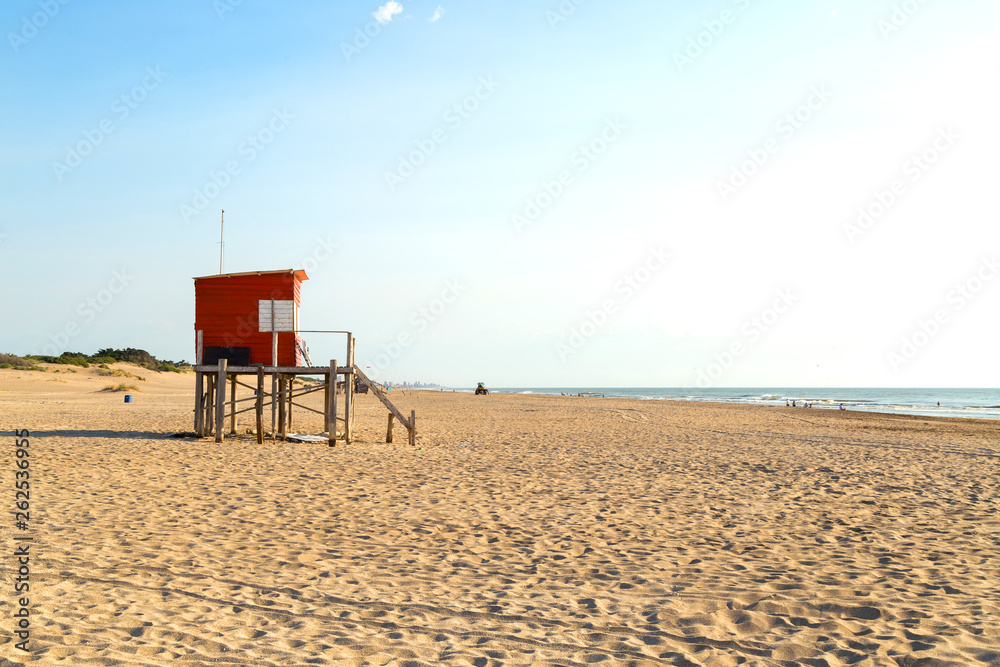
x=226, y=307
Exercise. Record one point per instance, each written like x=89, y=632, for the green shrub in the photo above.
x=102, y=360
x=117, y=372
x=120, y=387
x=19, y=363
x=14, y=361
x=72, y=359
x=129, y=354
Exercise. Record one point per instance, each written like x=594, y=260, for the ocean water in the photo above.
x=972, y=403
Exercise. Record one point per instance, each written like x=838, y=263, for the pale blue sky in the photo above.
x=334, y=115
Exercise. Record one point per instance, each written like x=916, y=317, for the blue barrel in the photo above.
x=128, y=398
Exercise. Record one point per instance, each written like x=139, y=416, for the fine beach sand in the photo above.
x=522, y=530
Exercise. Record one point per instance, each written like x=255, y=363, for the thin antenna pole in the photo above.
x=222, y=241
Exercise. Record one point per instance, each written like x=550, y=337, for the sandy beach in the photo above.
x=521, y=530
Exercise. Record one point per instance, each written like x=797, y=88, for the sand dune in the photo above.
x=522, y=530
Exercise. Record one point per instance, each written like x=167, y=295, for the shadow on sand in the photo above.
x=88, y=433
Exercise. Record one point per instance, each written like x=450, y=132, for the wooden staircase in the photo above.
x=410, y=424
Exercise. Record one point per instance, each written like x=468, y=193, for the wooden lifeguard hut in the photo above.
x=235, y=315
x=248, y=324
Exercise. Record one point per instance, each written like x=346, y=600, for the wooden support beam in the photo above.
x=274, y=338
x=348, y=390
x=282, y=422
x=274, y=406
x=381, y=396
x=287, y=370
x=332, y=379
x=260, y=406
x=413, y=428
x=220, y=400
x=199, y=404
x=326, y=404
x=291, y=392
x=210, y=405
x=388, y=430
x=232, y=405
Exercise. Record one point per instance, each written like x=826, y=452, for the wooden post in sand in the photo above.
x=326, y=406
x=232, y=405
x=413, y=428
x=348, y=389
x=282, y=423
x=199, y=404
x=388, y=429
x=210, y=405
x=220, y=400
x=260, y=405
x=332, y=379
x=291, y=393
x=274, y=376
x=274, y=405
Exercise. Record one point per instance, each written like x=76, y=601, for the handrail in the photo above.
x=375, y=387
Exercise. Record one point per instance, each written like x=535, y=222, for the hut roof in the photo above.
x=299, y=273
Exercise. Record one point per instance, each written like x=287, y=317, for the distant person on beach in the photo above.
x=841, y=406
x=793, y=404
x=787, y=404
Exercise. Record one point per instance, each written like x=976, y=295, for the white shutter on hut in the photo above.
x=285, y=315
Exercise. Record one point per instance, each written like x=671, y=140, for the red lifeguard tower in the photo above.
x=248, y=324
x=249, y=318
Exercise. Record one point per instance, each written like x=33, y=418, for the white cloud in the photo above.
x=385, y=13
x=438, y=13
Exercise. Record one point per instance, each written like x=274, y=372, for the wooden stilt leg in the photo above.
x=413, y=428
x=333, y=402
x=348, y=390
x=199, y=405
x=260, y=406
x=326, y=405
x=232, y=405
x=274, y=405
x=282, y=423
x=388, y=430
x=220, y=400
x=210, y=405
x=291, y=390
